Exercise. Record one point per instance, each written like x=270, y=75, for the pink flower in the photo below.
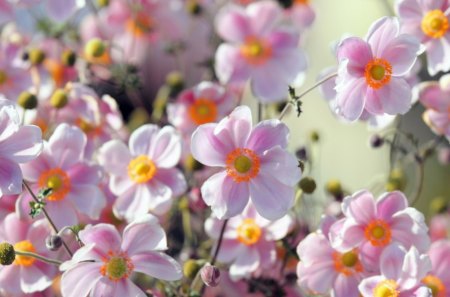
x=401, y=273
x=258, y=48
x=62, y=167
x=440, y=226
x=300, y=13
x=438, y=279
x=429, y=22
x=323, y=269
x=26, y=274
x=103, y=266
x=18, y=144
x=206, y=102
x=14, y=79
x=255, y=161
x=372, y=225
x=144, y=176
x=436, y=98
x=370, y=75
x=249, y=241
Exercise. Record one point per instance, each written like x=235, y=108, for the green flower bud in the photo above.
x=308, y=185
x=334, y=187
x=7, y=254
x=193, y=7
x=68, y=58
x=59, y=99
x=438, y=205
x=27, y=100
x=314, y=136
x=175, y=81
x=95, y=48
x=102, y=3
x=190, y=268
x=36, y=56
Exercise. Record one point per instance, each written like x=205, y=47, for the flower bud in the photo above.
x=68, y=58
x=53, y=242
x=438, y=205
x=301, y=153
x=396, y=181
x=175, y=81
x=376, y=141
x=7, y=253
x=102, y=3
x=210, y=275
x=27, y=100
x=95, y=48
x=191, y=268
x=36, y=56
x=193, y=7
x=334, y=187
x=308, y=185
x=314, y=136
x=59, y=99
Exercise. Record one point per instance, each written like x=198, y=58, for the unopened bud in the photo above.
x=7, y=253
x=376, y=141
x=210, y=275
x=334, y=187
x=68, y=58
x=53, y=242
x=308, y=185
x=191, y=268
x=193, y=7
x=301, y=153
x=36, y=56
x=314, y=136
x=438, y=205
x=95, y=48
x=102, y=3
x=175, y=81
x=27, y=100
x=396, y=181
x=59, y=99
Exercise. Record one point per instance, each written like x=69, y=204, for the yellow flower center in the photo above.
x=117, y=266
x=3, y=77
x=378, y=72
x=58, y=180
x=386, y=288
x=141, y=169
x=378, y=233
x=256, y=51
x=203, y=111
x=141, y=25
x=435, y=284
x=435, y=24
x=24, y=246
x=242, y=165
x=347, y=263
x=248, y=232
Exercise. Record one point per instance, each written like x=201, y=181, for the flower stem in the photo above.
x=219, y=243
x=55, y=229
x=39, y=257
x=286, y=107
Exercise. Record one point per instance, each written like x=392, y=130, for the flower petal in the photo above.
x=67, y=145
x=144, y=234
x=157, y=265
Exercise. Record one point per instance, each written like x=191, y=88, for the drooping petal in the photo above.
x=157, y=265
x=226, y=197
x=271, y=198
x=133, y=241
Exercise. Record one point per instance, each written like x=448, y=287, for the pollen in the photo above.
x=242, y=165
x=58, y=180
x=435, y=24
x=386, y=288
x=378, y=233
x=378, y=73
x=141, y=169
x=435, y=284
x=248, y=232
x=203, y=111
x=24, y=246
x=117, y=266
x=256, y=51
x=347, y=263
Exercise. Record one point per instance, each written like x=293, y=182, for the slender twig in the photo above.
x=55, y=229
x=38, y=257
x=286, y=107
x=219, y=243
x=260, y=112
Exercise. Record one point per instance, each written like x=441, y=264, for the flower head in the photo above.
x=371, y=71
x=255, y=165
x=103, y=266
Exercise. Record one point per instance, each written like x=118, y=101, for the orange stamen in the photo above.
x=24, y=246
x=347, y=263
x=203, y=111
x=248, y=232
x=378, y=72
x=242, y=165
x=435, y=24
x=256, y=51
x=58, y=180
x=378, y=233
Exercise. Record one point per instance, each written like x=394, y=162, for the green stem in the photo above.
x=39, y=257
